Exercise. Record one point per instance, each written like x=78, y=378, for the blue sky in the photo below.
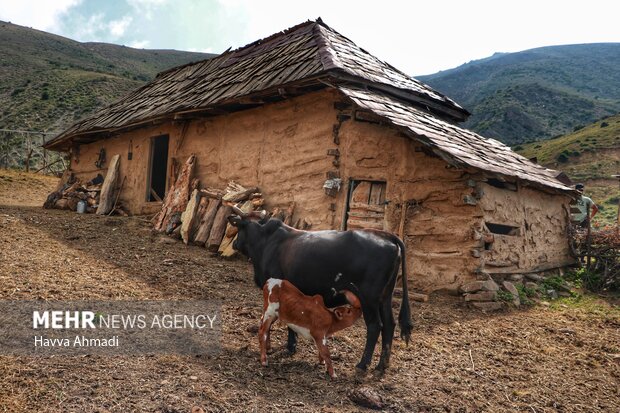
x=418, y=37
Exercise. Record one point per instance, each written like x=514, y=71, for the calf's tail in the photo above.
x=404, y=315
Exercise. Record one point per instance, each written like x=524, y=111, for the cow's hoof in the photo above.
x=378, y=372
x=292, y=349
x=360, y=371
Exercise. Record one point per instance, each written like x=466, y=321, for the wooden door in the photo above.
x=366, y=206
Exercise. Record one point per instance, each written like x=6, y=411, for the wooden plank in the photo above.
x=206, y=222
x=219, y=227
x=361, y=193
x=177, y=197
x=108, y=190
x=188, y=216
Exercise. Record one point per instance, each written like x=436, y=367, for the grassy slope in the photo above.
x=48, y=82
x=590, y=155
x=538, y=93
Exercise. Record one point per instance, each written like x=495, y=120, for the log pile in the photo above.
x=71, y=191
x=200, y=216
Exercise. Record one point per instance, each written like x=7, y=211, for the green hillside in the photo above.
x=48, y=82
x=589, y=155
x=538, y=93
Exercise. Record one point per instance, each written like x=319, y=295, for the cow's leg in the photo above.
x=387, y=334
x=388, y=322
x=321, y=345
x=373, y=328
x=291, y=344
x=263, y=337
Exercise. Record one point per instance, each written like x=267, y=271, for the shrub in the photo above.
x=578, y=127
x=562, y=158
x=604, y=124
x=45, y=95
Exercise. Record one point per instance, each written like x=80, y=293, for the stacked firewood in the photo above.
x=70, y=193
x=200, y=216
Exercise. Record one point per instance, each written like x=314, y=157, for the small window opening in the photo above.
x=502, y=229
x=158, y=166
x=501, y=184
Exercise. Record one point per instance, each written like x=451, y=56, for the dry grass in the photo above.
x=558, y=359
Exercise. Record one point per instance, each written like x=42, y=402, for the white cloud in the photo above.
x=90, y=30
x=42, y=15
x=118, y=27
x=139, y=44
x=146, y=7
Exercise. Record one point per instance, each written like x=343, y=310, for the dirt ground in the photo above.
x=559, y=358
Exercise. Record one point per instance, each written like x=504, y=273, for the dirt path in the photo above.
x=560, y=359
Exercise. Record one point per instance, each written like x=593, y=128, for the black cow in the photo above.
x=319, y=262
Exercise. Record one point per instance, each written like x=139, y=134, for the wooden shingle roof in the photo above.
x=458, y=146
x=299, y=56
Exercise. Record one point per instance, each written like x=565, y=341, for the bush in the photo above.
x=604, y=124
x=562, y=158
x=578, y=127
x=45, y=95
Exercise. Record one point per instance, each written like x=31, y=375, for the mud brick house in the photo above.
x=307, y=115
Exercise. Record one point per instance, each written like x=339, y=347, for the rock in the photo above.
x=481, y=296
x=490, y=285
x=545, y=303
x=488, y=305
x=193, y=378
x=564, y=294
x=512, y=290
x=422, y=298
x=197, y=409
x=472, y=286
x=475, y=253
x=534, y=277
x=167, y=240
x=531, y=285
x=553, y=294
x=252, y=329
x=366, y=396
x=516, y=277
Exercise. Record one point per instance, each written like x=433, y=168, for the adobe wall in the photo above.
x=541, y=219
x=281, y=148
x=438, y=227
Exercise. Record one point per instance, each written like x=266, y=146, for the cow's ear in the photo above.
x=235, y=220
x=339, y=313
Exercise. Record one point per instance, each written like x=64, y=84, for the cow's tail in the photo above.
x=404, y=315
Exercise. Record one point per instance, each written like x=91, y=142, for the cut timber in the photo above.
x=219, y=227
x=288, y=217
x=200, y=211
x=236, y=192
x=206, y=222
x=178, y=195
x=108, y=190
x=212, y=193
x=187, y=217
x=226, y=249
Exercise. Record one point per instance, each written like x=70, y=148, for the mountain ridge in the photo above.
x=537, y=93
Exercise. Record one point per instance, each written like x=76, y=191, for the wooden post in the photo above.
x=108, y=189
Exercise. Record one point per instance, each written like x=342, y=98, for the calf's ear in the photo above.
x=235, y=220
x=339, y=313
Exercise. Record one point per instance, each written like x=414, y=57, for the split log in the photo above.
x=108, y=190
x=200, y=211
x=178, y=195
x=188, y=216
x=226, y=249
x=288, y=217
x=219, y=227
x=236, y=193
x=206, y=222
x=212, y=193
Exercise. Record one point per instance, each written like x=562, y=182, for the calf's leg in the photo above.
x=387, y=334
x=263, y=337
x=321, y=345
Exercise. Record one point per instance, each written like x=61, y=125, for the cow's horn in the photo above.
x=238, y=211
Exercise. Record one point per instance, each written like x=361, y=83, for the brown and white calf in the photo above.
x=306, y=315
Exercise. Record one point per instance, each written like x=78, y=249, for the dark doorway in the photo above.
x=158, y=166
x=365, y=204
